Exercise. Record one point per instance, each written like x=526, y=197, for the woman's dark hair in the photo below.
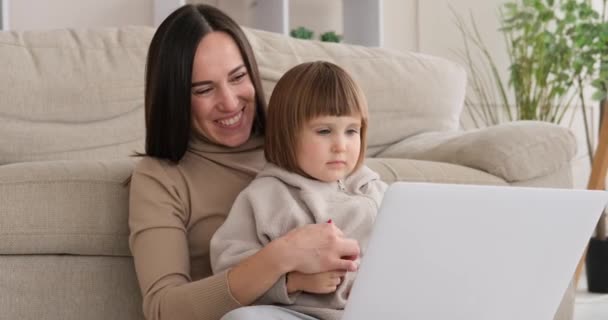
x=169, y=77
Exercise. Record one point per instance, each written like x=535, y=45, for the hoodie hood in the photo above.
x=355, y=183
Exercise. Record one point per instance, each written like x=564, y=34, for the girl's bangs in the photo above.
x=332, y=98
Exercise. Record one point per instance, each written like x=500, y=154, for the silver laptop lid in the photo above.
x=445, y=251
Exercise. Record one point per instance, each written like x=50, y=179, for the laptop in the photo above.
x=446, y=251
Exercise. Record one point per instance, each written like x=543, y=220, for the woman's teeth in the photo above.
x=231, y=121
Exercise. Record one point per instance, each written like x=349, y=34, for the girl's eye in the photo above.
x=323, y=132
x=352, y=131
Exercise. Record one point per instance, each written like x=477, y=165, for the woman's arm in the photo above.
x=158, y=242
x=311, y=248
x=255, y=275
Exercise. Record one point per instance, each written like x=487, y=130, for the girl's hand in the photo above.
x=317, y=248
x=324, y=282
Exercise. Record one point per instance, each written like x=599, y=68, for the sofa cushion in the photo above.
x=392, y=170
x=81, y=207
x=514, y=151
x=53, y=287
x=72, y=94
x=65, y=207
x=408, y=93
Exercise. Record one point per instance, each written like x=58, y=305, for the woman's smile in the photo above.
x=231, y=122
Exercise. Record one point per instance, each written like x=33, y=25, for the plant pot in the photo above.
x=596, y=266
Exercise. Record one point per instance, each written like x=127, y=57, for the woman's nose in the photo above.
x=229, y=101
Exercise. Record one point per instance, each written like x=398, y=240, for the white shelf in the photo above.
x=363, y=22
x=162, y=8
x=362, y=19
x=271, y=15
x=4, y=15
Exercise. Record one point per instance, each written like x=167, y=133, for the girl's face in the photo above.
x=223, y=97
x=329, y=146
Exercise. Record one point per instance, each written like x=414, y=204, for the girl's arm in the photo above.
x=259, y=266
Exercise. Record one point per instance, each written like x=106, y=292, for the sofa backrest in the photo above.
x=72, y=94
x=79, y=93
x=407, y=93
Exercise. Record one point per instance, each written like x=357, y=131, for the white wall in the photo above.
x=239, y=10
x=47, y=14
x=318, y=15
x=326, y=15
x=409, y=25
x=438, y=32
x=401, y=24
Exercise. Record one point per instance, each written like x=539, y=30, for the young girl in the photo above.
x=315, y=148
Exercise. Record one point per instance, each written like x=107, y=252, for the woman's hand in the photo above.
x=317, y=248
x=313, y=248
x=321, y=283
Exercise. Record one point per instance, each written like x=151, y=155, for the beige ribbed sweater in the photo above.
x=278, y=201
x=174, y=209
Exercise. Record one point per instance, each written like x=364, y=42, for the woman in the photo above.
x=204, y=134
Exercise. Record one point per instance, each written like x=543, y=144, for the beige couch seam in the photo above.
x=36, y=182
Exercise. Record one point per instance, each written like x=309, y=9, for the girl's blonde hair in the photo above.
x=307, y=91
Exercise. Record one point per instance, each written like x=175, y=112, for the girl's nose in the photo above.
x=339, y=145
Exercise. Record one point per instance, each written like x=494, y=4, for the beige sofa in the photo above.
x=71, y=114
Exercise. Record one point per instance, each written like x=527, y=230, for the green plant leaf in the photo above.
x=599, y=95
x=301, y=33
x=330, y=36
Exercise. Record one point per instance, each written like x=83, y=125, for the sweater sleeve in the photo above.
x=245, y=231
x=237, y=238
x=158, y=242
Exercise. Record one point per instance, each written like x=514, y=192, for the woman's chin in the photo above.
x=233, y=140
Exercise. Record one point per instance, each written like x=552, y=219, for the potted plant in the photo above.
x=556, y=48
x=330, y=36
x=301, y=33
x=307, y=34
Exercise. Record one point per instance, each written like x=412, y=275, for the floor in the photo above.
x=590, y=306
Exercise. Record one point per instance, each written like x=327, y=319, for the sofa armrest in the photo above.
x=65, y=207
x=514, y=151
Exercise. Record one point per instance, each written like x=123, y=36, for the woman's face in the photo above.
x=223, y=97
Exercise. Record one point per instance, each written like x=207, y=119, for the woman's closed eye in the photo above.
x=205, y=90
x=238, y=77
x=202, y=91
